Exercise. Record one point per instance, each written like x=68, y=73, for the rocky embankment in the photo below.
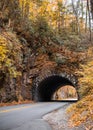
x=22, y=65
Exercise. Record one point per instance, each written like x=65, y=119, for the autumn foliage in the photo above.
x=83, y=110
x=10, y=49
x=38, y=37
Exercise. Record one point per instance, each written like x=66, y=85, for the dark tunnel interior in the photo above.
x=48, y=86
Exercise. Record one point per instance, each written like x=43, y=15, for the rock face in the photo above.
x=35, y=66
x=23, y=87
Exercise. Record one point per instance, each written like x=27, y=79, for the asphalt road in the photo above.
x=27, y=116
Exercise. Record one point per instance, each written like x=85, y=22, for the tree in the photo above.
x=76, y=13
x=91, y=3
x=88, y=8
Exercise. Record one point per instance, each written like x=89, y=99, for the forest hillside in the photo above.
x=39, y=37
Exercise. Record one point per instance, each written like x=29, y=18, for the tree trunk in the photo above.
x=89, y=18
x=91, y=3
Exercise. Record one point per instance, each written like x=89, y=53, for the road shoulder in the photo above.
x=58, y=120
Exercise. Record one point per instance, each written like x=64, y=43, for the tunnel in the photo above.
x=48, y=86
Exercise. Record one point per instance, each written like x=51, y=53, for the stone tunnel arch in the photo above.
x=47, y=87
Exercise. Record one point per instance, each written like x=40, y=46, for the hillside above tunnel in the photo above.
x=25, y=67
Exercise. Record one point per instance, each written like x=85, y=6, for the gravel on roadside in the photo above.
x=58, y=119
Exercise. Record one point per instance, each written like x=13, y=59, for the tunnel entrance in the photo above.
x=47, y=87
